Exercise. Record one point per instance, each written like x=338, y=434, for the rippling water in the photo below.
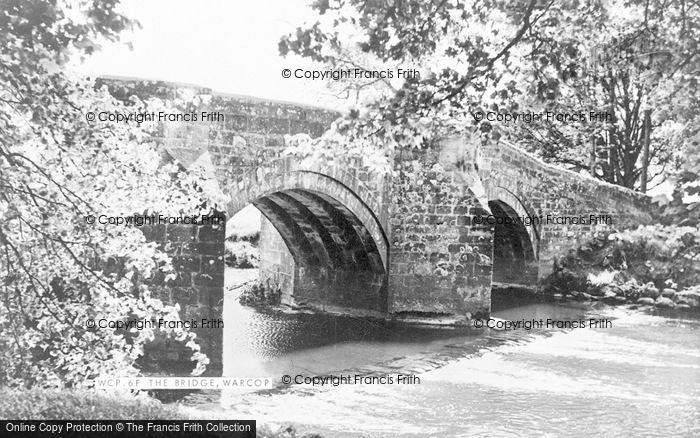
x=641, y=377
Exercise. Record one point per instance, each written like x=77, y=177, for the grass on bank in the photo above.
x=54, y=404
x=70, y=404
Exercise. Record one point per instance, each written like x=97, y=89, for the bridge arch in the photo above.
x=336, y=240
x=516, y=238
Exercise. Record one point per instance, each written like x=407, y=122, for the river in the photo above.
x=640, y=376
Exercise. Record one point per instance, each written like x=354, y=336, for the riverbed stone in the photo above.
x=609, y=293
x=690, y=297
x=665, y=302
x=649, y=290
x=668, y=292
x=632, y=290
x=646, y=301
x=596, y=291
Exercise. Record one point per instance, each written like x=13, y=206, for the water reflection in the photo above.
x=640, y=377
x=261, y=343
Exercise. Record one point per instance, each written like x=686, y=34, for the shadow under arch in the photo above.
x=338, y=245
x=515, y=243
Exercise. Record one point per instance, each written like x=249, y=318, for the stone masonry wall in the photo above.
x=276, y=262
x=548, y=190
x=198, y=259
x=440, y=261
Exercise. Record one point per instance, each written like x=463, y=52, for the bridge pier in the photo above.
x=441, y=259
x=197, y=253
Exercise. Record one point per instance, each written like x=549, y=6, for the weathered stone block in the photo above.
x=212, y=264
x=183, y=278
x=189, y=263
x=212, y=233
x=210, y=280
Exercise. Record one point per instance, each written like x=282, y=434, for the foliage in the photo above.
x=51, y=404
x=258, y=294
x=625, y=58
x=243, y=237
x=445, y=39
x=241, y=254
x=341, y=136
x=660, y=253
x=566, y=275
x=663, y=255
x=523, y=55
x=58, y=271
x=684, y=207
x=82, y=404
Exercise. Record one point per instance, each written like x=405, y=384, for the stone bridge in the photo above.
x=429, y=239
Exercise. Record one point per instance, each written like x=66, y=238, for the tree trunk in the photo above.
x=645, y=151
x=592, y=157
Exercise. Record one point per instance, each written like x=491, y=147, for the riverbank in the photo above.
x=594, y=380
x=654, y=266
x=86, y=404
x=81, y=404
x=631, y=292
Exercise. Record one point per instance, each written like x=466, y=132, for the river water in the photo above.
x=640, y=376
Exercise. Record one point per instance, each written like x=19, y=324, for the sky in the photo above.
x=228, y=46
